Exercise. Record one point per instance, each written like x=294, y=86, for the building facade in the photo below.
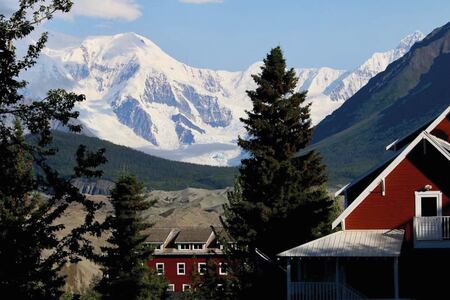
x=394, y=232
x=181, y=253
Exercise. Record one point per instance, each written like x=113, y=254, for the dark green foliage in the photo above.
x=31, y=252
x=125, y=273
x=409, y=93
x=154, y=172
x=277, y=192
x=210, y=285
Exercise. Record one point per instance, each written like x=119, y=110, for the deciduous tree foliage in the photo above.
x=32, y=248
x=125, y=271
x=279, y=200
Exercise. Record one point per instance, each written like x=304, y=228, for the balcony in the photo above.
x=432, y=232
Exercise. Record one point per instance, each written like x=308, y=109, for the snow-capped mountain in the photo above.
x=139, y=96
x=352, y=81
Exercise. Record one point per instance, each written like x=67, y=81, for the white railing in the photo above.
x=322, y=291
x=432, y=228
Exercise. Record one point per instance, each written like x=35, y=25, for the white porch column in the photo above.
x=337, y=289
x=288, y=274
x=396, y=289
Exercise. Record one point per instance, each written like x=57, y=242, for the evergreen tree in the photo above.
x=210, y=285
x=125, y=272
x=280, y=200
x=32, y=248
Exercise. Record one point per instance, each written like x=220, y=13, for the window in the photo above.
x=197, y=246
x=160, y=268
x=222, y=269
x=171, y=287
x=183, y=247
x=158, y=246
x=202, y=268
x=181, y=268
x=186, y=287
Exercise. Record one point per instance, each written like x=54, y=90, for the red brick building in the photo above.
x=395, y=230
x=181, y=252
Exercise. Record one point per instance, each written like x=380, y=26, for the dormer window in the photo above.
x=197, y=246
x=184, y=247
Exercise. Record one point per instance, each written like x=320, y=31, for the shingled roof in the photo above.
x=193, y=235
x=157, y=235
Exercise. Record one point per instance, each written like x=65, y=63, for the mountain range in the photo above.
x=411, y=91
x=140, y=97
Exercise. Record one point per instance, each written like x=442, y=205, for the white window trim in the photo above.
x=200, y=268
x=171, y=287
x=160, y=264
x=220, y=269
x=186, y=287
x=184, y=244
x=418, y=203
x=178, y=268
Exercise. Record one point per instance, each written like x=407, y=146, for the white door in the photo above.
x=429, y=211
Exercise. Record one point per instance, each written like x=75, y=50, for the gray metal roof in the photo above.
x=352, y=243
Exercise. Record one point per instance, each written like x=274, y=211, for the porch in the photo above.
x=432, y=232
x=353, y=264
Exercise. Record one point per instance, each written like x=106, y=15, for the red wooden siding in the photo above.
x=397, y=208
x=170, y=268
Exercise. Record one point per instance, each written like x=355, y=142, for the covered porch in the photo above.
x=352, y=264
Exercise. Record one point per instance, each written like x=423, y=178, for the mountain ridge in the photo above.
x=409, y=93
x=139, y=96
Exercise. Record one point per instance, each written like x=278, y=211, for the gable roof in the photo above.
x=398, y=144
x=391, y=166
x=352, y=243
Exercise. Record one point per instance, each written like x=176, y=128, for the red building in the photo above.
x=181, y=252
x=395, y=230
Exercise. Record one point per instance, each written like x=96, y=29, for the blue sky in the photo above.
x=232, y=34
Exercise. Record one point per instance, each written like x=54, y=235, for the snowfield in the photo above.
x=138, y=96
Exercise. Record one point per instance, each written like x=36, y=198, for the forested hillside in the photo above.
x=155, y=172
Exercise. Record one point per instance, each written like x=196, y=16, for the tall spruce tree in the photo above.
x=32, y=248
x=279, y=200
x=125, y=272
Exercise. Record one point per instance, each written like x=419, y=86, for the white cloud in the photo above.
x=127, y=10
x=200, y=1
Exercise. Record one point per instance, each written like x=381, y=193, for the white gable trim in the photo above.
x=387, y=171
x=430, y=127
x=436, y=142
x=341, y=190
x=344, y=189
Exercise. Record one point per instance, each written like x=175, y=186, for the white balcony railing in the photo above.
x=432, y=228
x=322, y=291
